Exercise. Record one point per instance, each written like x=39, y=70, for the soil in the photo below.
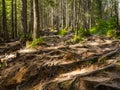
x=60, y=64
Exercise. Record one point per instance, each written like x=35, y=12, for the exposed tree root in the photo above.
x=110, y=54
x=57, y=66
x=105, y=86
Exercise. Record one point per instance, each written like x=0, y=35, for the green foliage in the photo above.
x=3, y=64
x=23, y=37
x=62, y=32
x=104, y=27
x=52, y=2
x=36, y=42
x=83, y=32
x=118, y=37
x=111, y=33
x=118, y=66
x=77, y=38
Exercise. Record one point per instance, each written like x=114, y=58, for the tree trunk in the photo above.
x=62, y=15
x=4, y=21
x=12, y=18
x=67, y=14
x=52, y=17
x=119, y=13
x=73, y=15
x=31, y=18
x=16, y=19
x=36, y=19
x=24, y=16
x=59, y=15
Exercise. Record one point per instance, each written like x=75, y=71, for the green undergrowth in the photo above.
x=80, y=35
x=118, y=66
x=23, y=37
x=62, y=32
x=35, y=42
x=3, y=64
x=77, y=38
x=104, y=27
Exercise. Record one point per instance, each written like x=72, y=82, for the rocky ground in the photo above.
x=60, y=64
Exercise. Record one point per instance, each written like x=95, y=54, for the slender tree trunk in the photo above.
x=73, y=15
x=62, y=15
x=0, y=24
x=24, y=16
x=4, y=21
x=31, y=18
x=16, y=19
x=12, y=18
x=52, y=17
x=100, y=8
x=59, y=15
x=36, y=19
x=118, y=13
x=67, y=14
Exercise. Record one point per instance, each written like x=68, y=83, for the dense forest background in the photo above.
x=27, y=18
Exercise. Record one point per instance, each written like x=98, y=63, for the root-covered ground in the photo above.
x=60, y=64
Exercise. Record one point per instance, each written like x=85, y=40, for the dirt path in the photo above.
x=62, y=65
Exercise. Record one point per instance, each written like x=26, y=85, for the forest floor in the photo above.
x=60, y=64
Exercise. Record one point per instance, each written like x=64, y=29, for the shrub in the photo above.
x=77, y=38
x=104, y=27
x=36, y=42
x=111, y=33
x=24, y=38
x=83, y=32
x=62, y=32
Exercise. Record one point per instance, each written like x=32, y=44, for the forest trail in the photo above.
x=60, y=64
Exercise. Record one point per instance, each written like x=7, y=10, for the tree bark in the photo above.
x=67, y=14
x=24, y=16
x=4, y=21
x=16, y=19
x=12, y=18
x=73, y=15
x=31, y=18
x=119, y=13
x=36, y=19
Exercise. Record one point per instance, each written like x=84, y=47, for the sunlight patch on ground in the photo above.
x=108, y=41
x=94, y=43
x=8, y=57
x=69, y=75
x=58, y=62
x=73, y=73
x=66, y=62
x=55, y=47
x=26, y=50
x=98, y=79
